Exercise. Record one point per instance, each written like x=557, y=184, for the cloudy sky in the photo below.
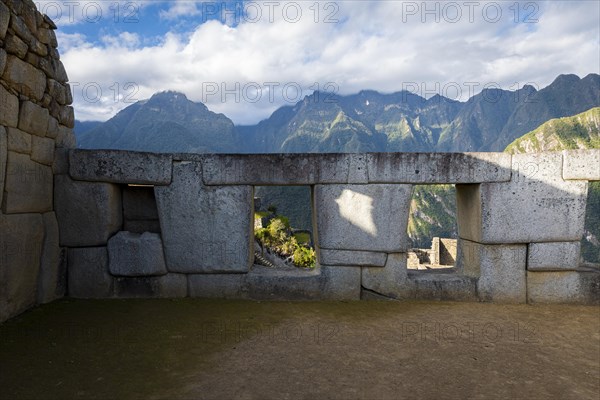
x=245, y=59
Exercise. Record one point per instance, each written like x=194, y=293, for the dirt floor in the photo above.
x=203, y=349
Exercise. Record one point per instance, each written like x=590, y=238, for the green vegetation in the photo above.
x=432, y=213
x=277, y=236
x=581, y=131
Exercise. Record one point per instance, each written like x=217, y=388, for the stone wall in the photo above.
x=35, y=132
x=520, y=219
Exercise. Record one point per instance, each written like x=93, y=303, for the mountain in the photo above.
x=82, y=127
x=167, y=122
x=581, y=131
x=364, y=122
x=433, y=208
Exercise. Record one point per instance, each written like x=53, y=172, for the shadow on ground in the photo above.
x=192, y=349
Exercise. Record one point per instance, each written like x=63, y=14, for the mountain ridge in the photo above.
x=368, y=121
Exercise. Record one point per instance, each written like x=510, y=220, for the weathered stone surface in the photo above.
x=9, y=108
x=3, y=57
x=19, y=141
x=141, y=226
x=16, y=46
x=139, y=203
x=563, y=287
x=581, y=164
x=326, y=283
x=442, y=287
x=28, y=186
x=60, y=166
x=42, y=150
x=438, y=167
x=4, y=20
x=88, y=273
x=33, y=119
x=537, y=205
x=49, y=285
x=363, y=217
x=20, y=250
x=65, y=137
x=501, y=270
x=88, y=213
x=52, y=129
x=354, y=258
x=204, y=229
x=25, y=78
x=121, y=166
x=276, y=169
x=390, y=281
x=132, y=254
x=340, y=283
x=218, y=286
x=3, y=156
x=167, y=286
x=66, y=115
x=553, y=256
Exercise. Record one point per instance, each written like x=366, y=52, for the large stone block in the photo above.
x=132, y=254
x=442, y=286
x=324, y=283
x=363, y=217
x=16, y=46
x=3, y=57
x=167, y=286
x=42, y=150
x=282, y=169
x=9, y=108
x=205, y=229
x=581, y=164
x=33, y=119
x=3, y=156
x=28, y=186
x=4, y=20
x=49, y=285
x=65, y=137
x=21, y=238
x=120, y=167
x=438, y=167
x=340, y=283
x=553, y=256
x=88, y=276
x=501, y=270
x=537, y=205
x=25, y=78
x=218, y=286
x=354, y=258
x=571, y=287
x=88, y=213
x=19, y=141
x=390, y=281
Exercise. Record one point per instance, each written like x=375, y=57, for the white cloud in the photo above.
x=377, y=45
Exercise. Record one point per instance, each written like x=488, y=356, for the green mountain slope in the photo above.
x=364, y=122
x=581, y=131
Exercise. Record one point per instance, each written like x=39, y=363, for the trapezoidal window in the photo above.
x=432, y=228
x=283, y=235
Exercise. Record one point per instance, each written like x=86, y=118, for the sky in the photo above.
x=245, y=59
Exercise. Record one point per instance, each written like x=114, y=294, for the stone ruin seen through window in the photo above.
x=291, y=208
x=432, y=229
